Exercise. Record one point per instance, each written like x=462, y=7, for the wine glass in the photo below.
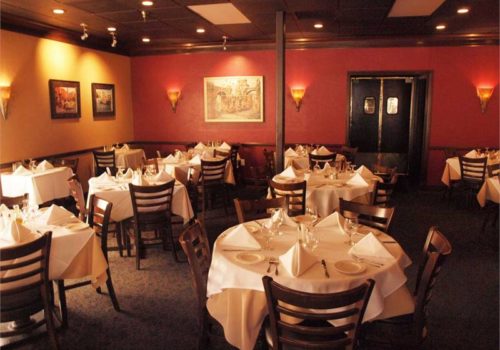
x=350, y=229
x=276, y=220
x=312, y=213
x=316, y=167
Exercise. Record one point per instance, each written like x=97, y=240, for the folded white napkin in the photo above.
x=105, y=179
x=297, y=260
x=289, y=173
x=365, y=172
x=240, y=238
x=139, y=180
x=178, y=156
x=3, y=208
x=16, y=232
x=195, y=160
x=44, y=165
x=125, y=147
x=22, y=171
x=357, y=180
x=162, y=176
x=170, y=159
x=322, y=151
x=370, y=247
x=55, y=215
x=471, y=154
x=332, y=220
x=225, y=147
x=326, y=167
x=290, y=153
x=200, y=145
x=128, y=174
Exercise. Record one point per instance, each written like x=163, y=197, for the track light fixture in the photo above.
x=85, y=33
x=224, y=41
x=114, y=41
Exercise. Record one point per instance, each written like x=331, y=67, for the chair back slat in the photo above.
x=322, y=159
x=99, y=218
x=248, y=210
x=370, y=215
x=152, y=205
x=76, y=191
x=212, y=171
x=294, y=193
x=346, y=308
x=493, y=169
x=103, y=160
x=473, y=170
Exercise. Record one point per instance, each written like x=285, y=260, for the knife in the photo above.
x=323, y=263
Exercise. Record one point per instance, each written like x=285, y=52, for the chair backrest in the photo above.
x=221, y=153
x=194, y=243
x=294, y=193
x=436, y=250
x=321, y=159
x=71, y=163
x=99, y=217
x=349, y=153
x=370, y=215
x=346, y=308
x=24, y=281
x=212, y=171
x=382, y=193
x=152, y=205
x=76, y=190
x=493, y=169
x=11, y=201
x=103, y=160
x=148, y=163
x=270, y=159
x=473, y=170
x=386, y=173
x=254, y=209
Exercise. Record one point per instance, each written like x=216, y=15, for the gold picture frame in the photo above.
x=234, y=99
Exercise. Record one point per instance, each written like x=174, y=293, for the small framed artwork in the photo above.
x=234, y=99
x=103, y=100
x=64, y=99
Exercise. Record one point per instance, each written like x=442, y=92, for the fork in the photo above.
x=366, y=261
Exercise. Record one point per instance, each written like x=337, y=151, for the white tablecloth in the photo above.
x=73, y=254
x=180, y=171
x=131, y=158
x=41, y=186
x=119, y=194
x=490, y=191
x=302, y=162
x=236, y=294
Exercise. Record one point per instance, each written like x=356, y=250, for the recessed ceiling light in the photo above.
x=146, y=39
x=463, y=10
x=111, y=29
x=440, y=27
x=147, y=3
x=318, y=25
x=58, y=11
x=200, y=30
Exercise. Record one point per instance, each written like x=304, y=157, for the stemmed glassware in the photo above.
x=316, y=167
x=350, y=228
x=120, y=174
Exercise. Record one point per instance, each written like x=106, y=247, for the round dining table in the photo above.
x=235, y=291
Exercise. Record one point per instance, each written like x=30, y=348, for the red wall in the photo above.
x=456, y=119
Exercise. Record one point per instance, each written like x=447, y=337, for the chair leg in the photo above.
x=119, y=238
x=63, y=307
x=111, y=291
x=49, y=318
x=137, y=249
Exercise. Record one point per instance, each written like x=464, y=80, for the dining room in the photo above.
x=225, y=174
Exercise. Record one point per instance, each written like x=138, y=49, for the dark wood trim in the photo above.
x=280, y=89
x=427, y=127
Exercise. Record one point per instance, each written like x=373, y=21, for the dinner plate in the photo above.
x=349, y=267
x=249, y=258
x=76, y=226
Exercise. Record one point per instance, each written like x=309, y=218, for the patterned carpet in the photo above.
x=159, y=307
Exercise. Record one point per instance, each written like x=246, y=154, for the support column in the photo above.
x=280, y=89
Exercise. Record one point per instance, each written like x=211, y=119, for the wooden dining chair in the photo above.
x=473, y=173
x=71, y=163
x=194, y=243
x=151, y=163
x=317, y=311
x=221, y=153
x=321, y=159
x=152, y=207
x=270, y=161
x=76, y=191
x=254, y=209
x=382, y=191
x=294, y=193
x=25, y=288
x=369, y=215
x=212, y=184
x=493, y=169
x=409, y=331
x=98, y=219
x=11, y=201
x=104, y=160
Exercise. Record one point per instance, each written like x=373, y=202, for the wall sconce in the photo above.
x=173, y=96
x=5, y=92
x=298, y=95
x=484, y=94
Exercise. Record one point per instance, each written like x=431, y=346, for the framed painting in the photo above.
x=234, y=99
x=64, y=99
x=103, y=100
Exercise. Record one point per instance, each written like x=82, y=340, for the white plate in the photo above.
x=349, y=267
x=76, y=226
x=249, y=258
